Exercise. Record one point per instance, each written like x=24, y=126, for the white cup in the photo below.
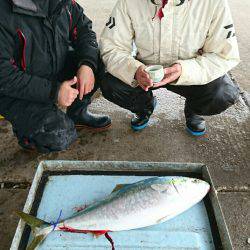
x=156, y=73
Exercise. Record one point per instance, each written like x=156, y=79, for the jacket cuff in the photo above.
x=187, y=72
x=87, y=63
x=130, y=78
x=54, y=91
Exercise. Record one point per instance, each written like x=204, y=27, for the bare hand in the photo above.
x=86, y=80
x=143, y=78
x=67, y=94
x=171, y=75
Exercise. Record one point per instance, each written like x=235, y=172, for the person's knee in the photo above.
x=134, y=99
x=116, y=91
x=57, y=133
x=107, y=85
x=226, y=95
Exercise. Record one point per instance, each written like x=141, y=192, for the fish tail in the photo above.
x=37, y=227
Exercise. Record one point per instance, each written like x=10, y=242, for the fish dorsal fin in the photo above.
x=119, y=187
x=159, y=187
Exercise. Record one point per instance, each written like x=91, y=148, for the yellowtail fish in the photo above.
x=129, y=206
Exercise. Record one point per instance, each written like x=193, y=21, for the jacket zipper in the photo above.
x=70, y=20
x=23, y=41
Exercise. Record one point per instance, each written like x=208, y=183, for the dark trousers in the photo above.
x=210, y=99
x=43, y=124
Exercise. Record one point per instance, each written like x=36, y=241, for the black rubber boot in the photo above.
x=140, y=121
x=196, y=125
x=83, y=118
x=27, y=145
x=91, y=121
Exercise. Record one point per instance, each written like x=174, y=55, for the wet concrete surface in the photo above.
x=225, y=150
x=236, y=208
x=241, y=20
x=11, y=200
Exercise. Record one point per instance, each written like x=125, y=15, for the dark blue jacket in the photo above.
x=35, y=36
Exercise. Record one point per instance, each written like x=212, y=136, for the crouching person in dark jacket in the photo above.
x=49, y=57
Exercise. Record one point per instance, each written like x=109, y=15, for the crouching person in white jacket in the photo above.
x=194, y=40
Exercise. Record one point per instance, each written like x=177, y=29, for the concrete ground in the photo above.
x=225, y=150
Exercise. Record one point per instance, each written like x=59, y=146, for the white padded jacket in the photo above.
x=198, y=34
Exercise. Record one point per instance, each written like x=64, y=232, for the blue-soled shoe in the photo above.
x=195, y=133
x=195, y=124
x=140, y=121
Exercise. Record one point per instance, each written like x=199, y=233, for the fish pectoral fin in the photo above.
x=159, y=187
x=163, y=219
x=97, y=234
x=119, y=187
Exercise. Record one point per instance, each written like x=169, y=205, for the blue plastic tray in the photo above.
x=64, y=185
